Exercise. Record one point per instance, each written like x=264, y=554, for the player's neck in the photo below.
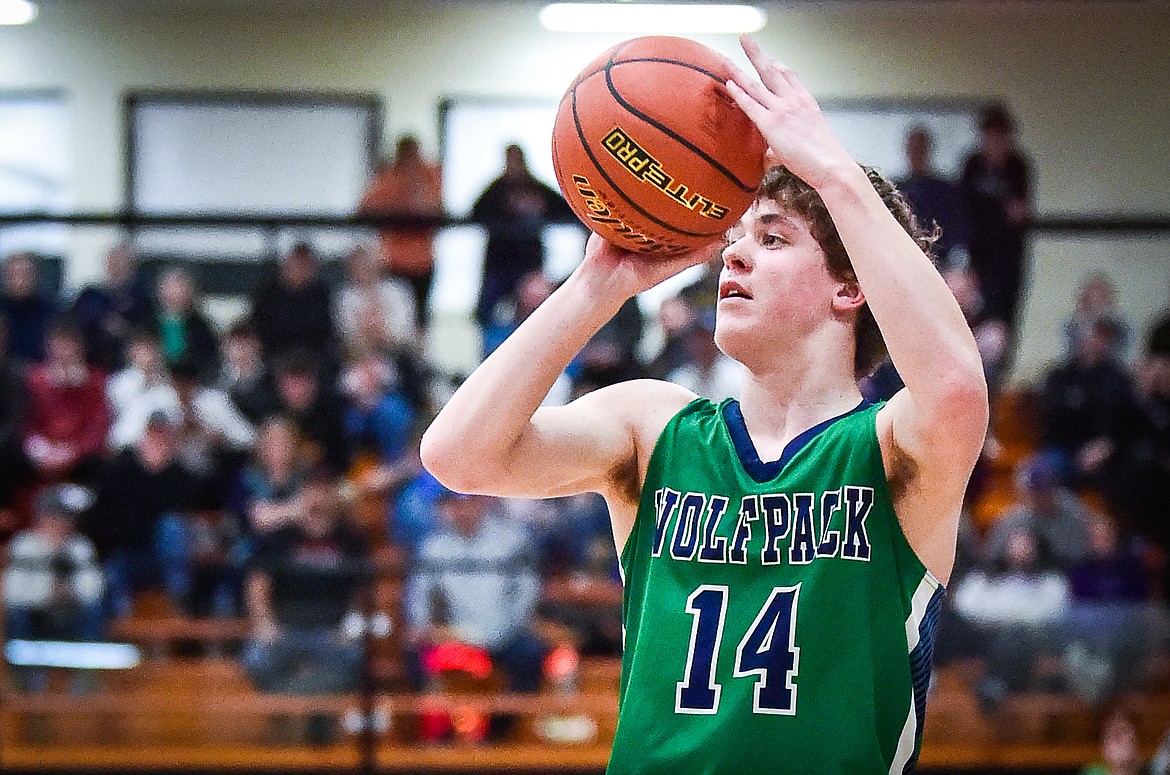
x=800, y=392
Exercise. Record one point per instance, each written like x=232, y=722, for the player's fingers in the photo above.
x=776, y=76
x=758, y=91
x=749, y=105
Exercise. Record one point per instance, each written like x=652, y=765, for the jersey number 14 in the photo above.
x=767, y=652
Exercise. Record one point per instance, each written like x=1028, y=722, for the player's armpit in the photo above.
x=928, y=459
x=941, y=437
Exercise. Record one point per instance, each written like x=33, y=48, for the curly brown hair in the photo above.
x=783, y=187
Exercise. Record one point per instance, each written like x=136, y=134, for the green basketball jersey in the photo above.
x=776, y=619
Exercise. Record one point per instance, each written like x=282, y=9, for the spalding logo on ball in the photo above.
x=651, y=151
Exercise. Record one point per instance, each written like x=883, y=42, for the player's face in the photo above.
x=775, y=287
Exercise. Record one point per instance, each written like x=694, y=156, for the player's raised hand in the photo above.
x=787, y=116
x=612, y=269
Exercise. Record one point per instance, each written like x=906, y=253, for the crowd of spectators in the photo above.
x=144, y=447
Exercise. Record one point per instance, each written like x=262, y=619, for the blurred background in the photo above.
x=250, y=247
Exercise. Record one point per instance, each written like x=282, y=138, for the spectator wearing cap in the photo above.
x=1047, y=512
x=52, y=582
x=475, y=583
x=140, y=519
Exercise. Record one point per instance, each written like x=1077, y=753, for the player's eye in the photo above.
x=770, y=240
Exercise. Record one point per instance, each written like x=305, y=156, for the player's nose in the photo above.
x=735, y=255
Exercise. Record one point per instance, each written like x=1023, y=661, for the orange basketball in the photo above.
x=651, y=151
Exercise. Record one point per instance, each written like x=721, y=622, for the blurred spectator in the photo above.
x=68, y=418
x=28, y=311
x=366, y=297
x=991, y=333
x=213, y=435
x=244, y=375
x=514, y=209
x=140, y=520
x=414, y=515
x=219, y=554
x=531, y=291
x=305, y=578
x=1016, y=603
x=1046, y=511
x=996, y=188
x=409, y=186
x=1119, y=748
x=676, y=316
x=1096, y=300
x=293, y=310
x=708, y=373
x=140, y=389
x=1085, y=401
x=1109, y=623
x=936, y=201
x=379, y=418
x=271, y=483
x=14, y=470
x=315, y=408
x=107, y=312
x=1135, y=481
x=611, y=356
x=52, y=583
x=475, y=583
x=184, y=333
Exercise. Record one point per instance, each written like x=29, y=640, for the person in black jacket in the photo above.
x=140, y=518
x=514, y=209
x=996, y=189
x=293, y=310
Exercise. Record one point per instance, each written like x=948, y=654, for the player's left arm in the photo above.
x=931, y=432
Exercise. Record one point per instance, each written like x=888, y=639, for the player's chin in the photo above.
x=734, y=333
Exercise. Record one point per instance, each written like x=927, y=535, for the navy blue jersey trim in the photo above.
x=765, y=471
x=921, y=661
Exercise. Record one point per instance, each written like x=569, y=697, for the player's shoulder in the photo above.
x=642, y=406
x=646, y=400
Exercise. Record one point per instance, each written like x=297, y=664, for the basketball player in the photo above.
x=783, y=554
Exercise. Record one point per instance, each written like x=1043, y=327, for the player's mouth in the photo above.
x=730, y=289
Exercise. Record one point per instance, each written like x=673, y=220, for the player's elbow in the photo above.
x=964, y=394
x=449, y=460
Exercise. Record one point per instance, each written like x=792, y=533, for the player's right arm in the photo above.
x=494, y=438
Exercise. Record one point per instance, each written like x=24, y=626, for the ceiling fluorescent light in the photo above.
x=649, y=18
x=17, y=12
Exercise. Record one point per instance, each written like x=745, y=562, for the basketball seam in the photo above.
x=670, y=132
x=613, y=184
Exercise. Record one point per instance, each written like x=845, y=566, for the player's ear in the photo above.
x=848, y=297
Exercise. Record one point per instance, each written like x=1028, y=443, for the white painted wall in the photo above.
x=1088, y=82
